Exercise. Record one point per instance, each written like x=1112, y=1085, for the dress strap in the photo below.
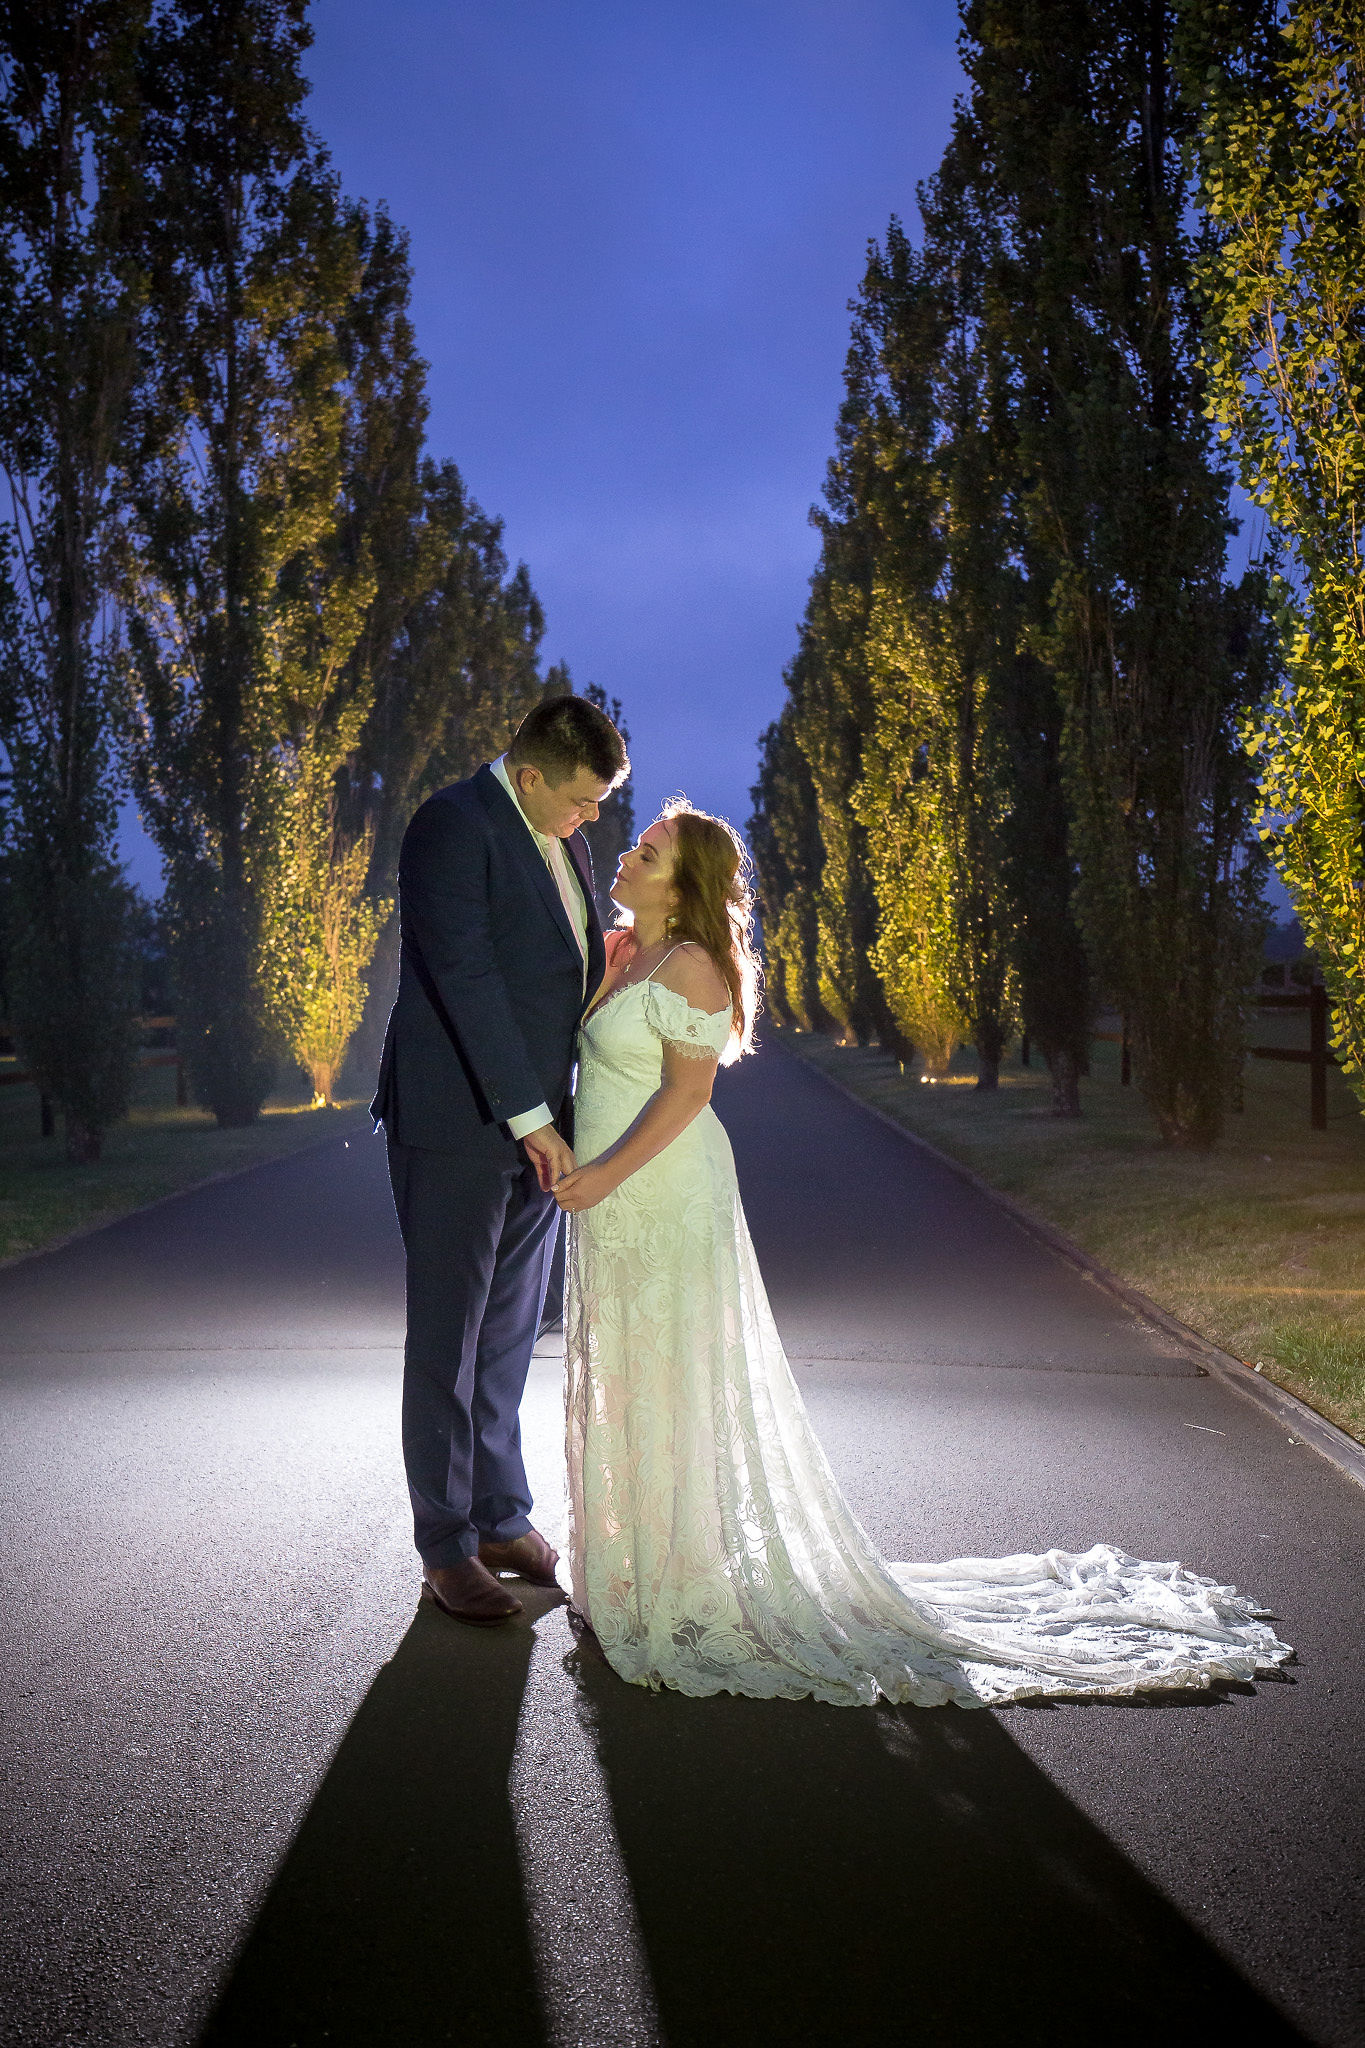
x=660, y=963
x=601, y=1001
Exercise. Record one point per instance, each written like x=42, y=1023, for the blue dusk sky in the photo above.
x=636, y=225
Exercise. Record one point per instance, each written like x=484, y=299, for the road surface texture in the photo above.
x=254, y=1795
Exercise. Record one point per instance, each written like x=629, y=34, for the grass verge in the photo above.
x=159, y=1150
x=1256, y=1244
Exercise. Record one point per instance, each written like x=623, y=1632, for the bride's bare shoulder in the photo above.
x=619, y=938
x=692, y=974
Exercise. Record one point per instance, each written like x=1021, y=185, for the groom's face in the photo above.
x=557, y=809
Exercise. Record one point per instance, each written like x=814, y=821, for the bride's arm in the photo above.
x=682, y=1094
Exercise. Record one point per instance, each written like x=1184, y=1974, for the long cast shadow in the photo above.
x=801, y=1874
x=398, y=1914
x=811, y=1874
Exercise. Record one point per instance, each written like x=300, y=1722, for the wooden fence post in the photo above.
x=1317, y=1056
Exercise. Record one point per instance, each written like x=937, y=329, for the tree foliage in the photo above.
x=1080, y=125
x=70, y=291
x=906, y=798
x=321, y=921
x=784, y=834
x=612, y=831
x=233, y=596
x=451, y=651
x=212, y=416
x=1283, y=178
x=831, y=696
x=935, y=784
x=1022, y=668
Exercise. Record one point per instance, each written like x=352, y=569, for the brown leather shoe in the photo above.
x=468, y=1592
x=528, y=1557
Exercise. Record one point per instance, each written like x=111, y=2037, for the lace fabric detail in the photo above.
x=702, y=1034
x=710, y=1547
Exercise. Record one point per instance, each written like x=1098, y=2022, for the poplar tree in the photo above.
x=908, y=799
x=889, y=428
x=453, y=650
x=69, y=295
x=1055, y=976
x=784, y=834
x=935, y=792
x=1282, y=138
x=613, y=829
x=830, y=691
x=235, y=614
x=1080, y=128
x=321, y=922
x=832, y=694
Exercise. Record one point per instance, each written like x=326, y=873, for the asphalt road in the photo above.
x=253, y=1795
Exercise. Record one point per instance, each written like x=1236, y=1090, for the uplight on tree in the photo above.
x=1283, y=147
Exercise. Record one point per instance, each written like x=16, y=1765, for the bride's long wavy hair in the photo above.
x=715, y=909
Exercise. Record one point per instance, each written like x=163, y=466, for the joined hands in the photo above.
x=584, y=1188
x=549, y=1155
x=573, y=1186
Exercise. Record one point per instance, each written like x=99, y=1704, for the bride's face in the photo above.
x=644, y=878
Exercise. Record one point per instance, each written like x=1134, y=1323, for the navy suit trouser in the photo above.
x=479, y=1237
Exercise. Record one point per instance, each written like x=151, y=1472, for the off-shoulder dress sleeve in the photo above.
x=673, y=1019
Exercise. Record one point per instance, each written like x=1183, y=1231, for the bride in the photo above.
x=710, y=1547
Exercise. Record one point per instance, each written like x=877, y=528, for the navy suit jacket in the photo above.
x=490, y=979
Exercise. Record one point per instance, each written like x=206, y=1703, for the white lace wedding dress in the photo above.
x=710, y=1547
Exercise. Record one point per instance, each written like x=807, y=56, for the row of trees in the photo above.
x=1016, y=766
x=232, y=577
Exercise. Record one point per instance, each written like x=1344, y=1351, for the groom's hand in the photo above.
x=550, y=1156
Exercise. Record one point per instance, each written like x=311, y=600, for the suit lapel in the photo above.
x=576, y=848
x=517, y=835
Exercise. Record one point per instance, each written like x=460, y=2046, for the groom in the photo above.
x=501, y=947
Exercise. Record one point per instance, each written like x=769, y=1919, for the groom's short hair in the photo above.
x=563, y=734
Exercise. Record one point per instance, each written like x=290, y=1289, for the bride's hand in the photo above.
x=584, y=1188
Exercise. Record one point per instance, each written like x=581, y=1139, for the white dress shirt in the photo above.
x=571, y=895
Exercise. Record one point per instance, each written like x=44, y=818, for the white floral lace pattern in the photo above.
x=711, y=1549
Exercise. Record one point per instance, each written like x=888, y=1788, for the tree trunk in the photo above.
x=223, y=1041
x=82, y=1143
x=1066, y=1083
x=990, y=1050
